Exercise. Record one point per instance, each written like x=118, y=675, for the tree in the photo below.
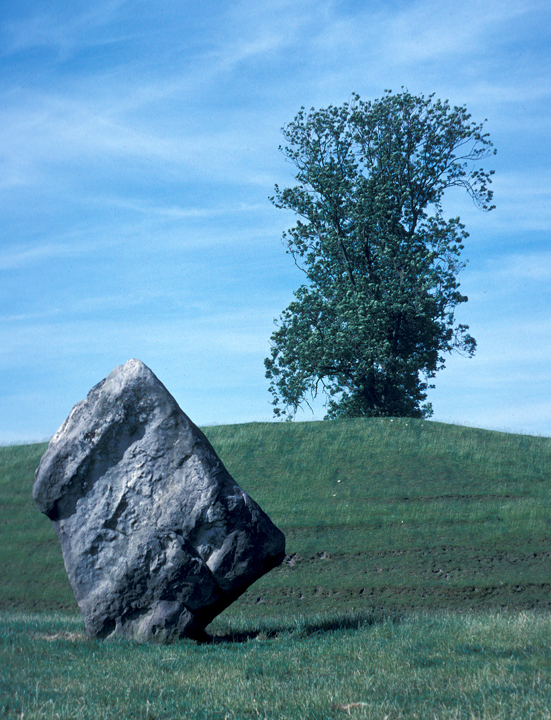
x=376, y=316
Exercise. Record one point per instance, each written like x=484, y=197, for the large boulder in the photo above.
x=157, y=537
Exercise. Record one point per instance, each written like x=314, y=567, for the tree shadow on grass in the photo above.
x=304, y=626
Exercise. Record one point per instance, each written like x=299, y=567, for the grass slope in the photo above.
x=390, y=514
x=446, y=530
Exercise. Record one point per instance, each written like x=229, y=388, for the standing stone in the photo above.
x=157, y=537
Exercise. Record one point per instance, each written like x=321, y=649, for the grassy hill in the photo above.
x=378, y=513
x=385, y=520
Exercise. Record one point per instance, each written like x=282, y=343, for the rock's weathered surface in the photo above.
x=157, y=537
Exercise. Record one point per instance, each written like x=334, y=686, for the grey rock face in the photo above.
x=157, y=538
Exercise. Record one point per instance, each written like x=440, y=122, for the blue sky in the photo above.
x=139, y=146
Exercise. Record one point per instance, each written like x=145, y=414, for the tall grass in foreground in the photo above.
x=440, y=666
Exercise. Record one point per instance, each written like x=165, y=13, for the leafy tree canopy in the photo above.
x=373, y=321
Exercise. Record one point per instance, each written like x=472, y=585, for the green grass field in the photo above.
x=416, y=585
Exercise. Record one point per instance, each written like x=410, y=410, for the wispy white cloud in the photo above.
x=16, y=256
x=522, y=197
x=432, y=30
x=224, y=337
x=64, y=133
x=525, y=199
x=62, y=28
x=501, y=387
x=155, y=153
x=534, y=266
x=108, y=119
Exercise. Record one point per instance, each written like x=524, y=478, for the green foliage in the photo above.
x=376, y=317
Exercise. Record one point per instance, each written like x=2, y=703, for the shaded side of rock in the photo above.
x=157, y=537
